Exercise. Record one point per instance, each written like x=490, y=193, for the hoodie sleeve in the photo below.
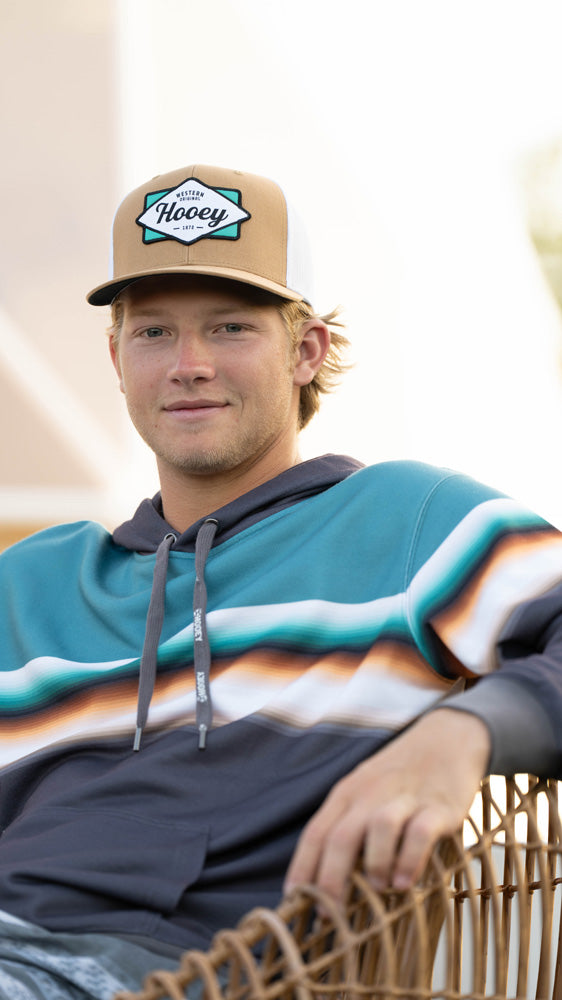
x=485, y=603
x=521, y=703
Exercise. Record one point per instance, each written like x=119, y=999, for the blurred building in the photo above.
x=541, y=177
x=60, y=412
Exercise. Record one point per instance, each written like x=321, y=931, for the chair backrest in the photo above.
x=483, y=922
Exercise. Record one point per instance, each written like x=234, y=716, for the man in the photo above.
x=262, y=673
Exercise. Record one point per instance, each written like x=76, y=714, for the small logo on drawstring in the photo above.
x=197, y=626
x=201, y=690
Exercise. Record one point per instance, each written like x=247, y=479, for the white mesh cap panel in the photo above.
x=300, y=272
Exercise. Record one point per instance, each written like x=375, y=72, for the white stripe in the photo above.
x=237, y=624
x=520, y=578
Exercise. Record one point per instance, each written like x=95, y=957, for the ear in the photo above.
x=312, y=350
x=114, y=354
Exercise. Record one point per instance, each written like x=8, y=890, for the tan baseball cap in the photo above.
x=209, y=220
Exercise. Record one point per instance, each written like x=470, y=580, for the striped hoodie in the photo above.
x=174, y=708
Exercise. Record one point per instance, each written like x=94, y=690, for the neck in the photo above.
x=186, y=497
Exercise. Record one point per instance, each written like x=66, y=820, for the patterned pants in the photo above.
x=36, y=964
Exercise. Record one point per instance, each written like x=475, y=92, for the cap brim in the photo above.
x=103, y=295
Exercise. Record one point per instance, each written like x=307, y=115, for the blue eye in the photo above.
x=153, y=331
x=232, y=327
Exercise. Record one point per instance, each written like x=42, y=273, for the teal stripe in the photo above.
x=305, y=636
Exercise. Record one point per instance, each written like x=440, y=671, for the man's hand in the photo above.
x=395, y=806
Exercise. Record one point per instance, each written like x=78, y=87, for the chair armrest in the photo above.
x=484, y=920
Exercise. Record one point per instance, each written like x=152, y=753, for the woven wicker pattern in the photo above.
x=483, y=923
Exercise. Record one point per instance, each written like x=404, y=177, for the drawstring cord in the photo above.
x=154, y=622
x=201, y=647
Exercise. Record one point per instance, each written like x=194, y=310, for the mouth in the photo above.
x=191, y=408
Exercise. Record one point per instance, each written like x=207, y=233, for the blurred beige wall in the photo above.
x=454, y=328
x=59, y=409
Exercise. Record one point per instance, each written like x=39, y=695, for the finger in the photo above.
x=339, y=855
x=383, y=842
x=305, y=862
x=420, y=836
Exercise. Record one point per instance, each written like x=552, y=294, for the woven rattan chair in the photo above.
x=484, y=922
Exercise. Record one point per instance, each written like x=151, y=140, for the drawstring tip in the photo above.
x=202, y=736
x=138, y=735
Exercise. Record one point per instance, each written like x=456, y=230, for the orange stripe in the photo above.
x=457, y=614
x=112, y=701
x=88, y=705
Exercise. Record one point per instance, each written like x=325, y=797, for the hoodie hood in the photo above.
x=148, y=528
x=148, y=532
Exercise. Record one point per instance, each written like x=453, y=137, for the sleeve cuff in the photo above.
x=523, y=739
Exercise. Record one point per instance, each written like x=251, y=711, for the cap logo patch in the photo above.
x=192, y=211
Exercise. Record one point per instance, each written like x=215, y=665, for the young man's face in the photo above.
x=209, y=375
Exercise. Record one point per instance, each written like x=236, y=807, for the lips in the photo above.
x=193, y=404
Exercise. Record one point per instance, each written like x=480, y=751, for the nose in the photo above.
x=192, y=359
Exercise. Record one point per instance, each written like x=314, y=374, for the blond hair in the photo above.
x=294, y=316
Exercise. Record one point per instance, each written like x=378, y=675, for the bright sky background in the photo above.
x=400, y=129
